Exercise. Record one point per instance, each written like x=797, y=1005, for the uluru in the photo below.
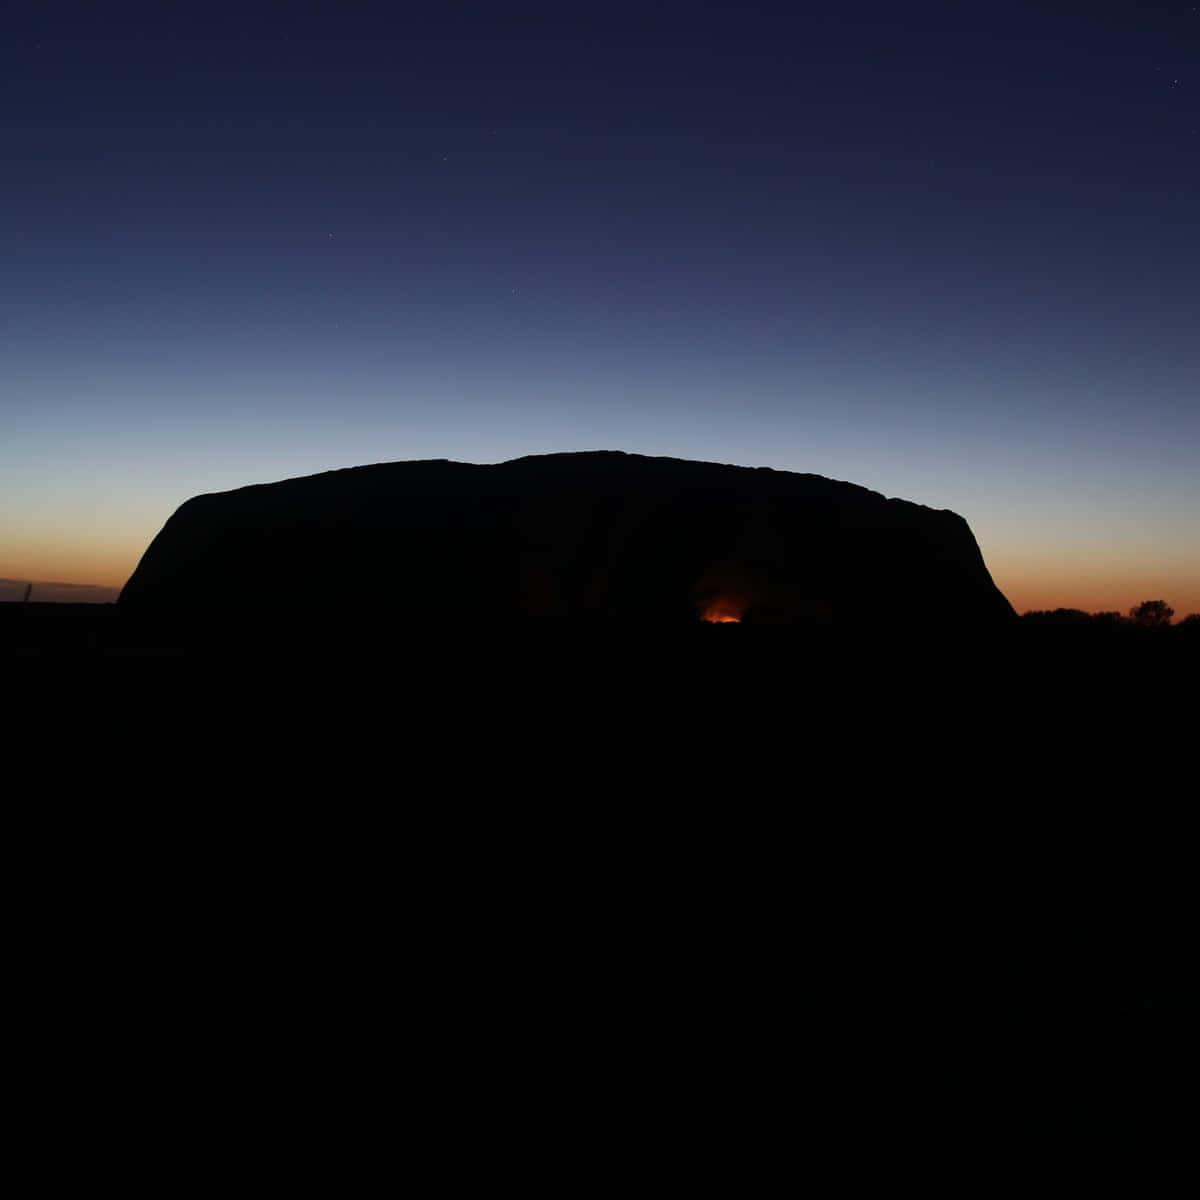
x=573, y=537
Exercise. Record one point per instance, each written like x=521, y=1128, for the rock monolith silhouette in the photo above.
x=595, y=536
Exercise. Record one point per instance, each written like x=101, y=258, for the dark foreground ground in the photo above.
x=730, y=910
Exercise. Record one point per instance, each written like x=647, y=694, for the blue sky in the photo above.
x=950, y=257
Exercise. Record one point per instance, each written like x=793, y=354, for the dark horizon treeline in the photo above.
x=1149, y=615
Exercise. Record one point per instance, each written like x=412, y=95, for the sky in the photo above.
x=946, y=251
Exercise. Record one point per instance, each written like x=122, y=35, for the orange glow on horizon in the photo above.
x=722, y=612
x=1093, y=595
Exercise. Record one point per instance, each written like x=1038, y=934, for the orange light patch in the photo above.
x=722, y=612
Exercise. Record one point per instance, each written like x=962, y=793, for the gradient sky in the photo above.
x=948, y=251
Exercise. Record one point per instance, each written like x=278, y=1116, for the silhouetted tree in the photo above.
x=1109, y=620
x=1190, y=624
x=1152, y=614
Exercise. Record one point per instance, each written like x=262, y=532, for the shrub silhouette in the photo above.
x=1152, y=614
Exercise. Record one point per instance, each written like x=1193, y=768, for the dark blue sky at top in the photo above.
x=946, y=250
